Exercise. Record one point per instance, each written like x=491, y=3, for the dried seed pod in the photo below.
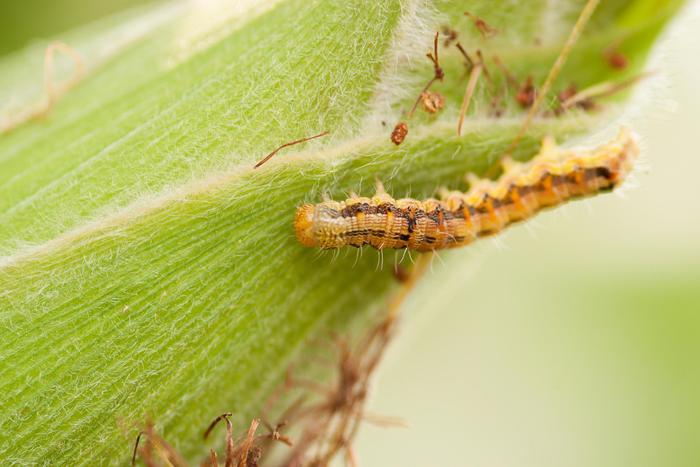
x=432, y=102
x=399, y=133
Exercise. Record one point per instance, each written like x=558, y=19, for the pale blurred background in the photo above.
x=575, y=342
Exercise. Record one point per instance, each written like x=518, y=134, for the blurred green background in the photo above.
x=573, y=341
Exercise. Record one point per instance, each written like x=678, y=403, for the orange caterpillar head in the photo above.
x=304, y=225
x=320, y=225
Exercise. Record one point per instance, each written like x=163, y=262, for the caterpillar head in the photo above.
x=304, y=225
x=320, y=225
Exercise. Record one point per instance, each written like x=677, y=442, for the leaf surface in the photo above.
x=148, y=270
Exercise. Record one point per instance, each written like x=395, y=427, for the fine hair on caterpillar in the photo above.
x=553, y=177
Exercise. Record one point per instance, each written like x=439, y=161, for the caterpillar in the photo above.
x=552, y=177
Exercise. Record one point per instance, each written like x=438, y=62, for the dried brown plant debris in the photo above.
x=526, y=93
x=450, y=35
x=564, y=96
x=275, y=433
x=616, y=59
x=510, y=77
x=487, y=74
x=586, y=99
x=468, y=62
x=438, y=73
x=579, y=26
x=485, y=29
x=399, y=133
x=476, y=69
x=326, y=426
x=246, y=451
x=432, y=102
x=229, y=435
x=291, y=143
x=155, y=448
x=331, y=423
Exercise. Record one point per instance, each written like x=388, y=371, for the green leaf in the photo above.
x=148, y=270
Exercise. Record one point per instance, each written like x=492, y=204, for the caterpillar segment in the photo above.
x=553, y=177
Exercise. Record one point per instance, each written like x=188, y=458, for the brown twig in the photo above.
x=487, y=75
x=469, y=92
x=510, y=78
x=213, y=459
x=601, y=90
x=439, y=74
x=229, y=436
x=275, y=434
x=468, y=60
x=223, y=416
x=136, y=448
x=291, y=143
x=247, y=443
x=164, y=450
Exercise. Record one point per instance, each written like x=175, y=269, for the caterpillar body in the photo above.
x=551, y=178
